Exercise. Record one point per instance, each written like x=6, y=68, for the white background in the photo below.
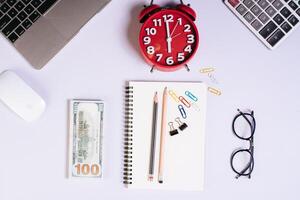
x=96, y=64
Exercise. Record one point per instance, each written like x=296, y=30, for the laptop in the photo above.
x=39, y=29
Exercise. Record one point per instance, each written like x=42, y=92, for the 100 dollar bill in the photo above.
x=85, y=138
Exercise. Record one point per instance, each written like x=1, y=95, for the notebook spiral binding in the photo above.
x=127, y=170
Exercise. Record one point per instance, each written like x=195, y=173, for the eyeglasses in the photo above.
x=243, y=126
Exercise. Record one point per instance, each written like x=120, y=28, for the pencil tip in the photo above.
x=150, y=178
x=160, y=181
x=155, y=97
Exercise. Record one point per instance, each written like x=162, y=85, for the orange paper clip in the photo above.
x=185, y=102
x=207, y=70
x=214, y=91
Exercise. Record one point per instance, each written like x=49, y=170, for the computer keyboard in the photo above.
x=17, y=16
x=270, y=20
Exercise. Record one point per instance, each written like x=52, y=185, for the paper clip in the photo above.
x=214, y=91
x=212, y=78
x=191, y=96
x=182, y=111
x=207, y=70
x=173, y=95
x=185, y=102
x=195, y=106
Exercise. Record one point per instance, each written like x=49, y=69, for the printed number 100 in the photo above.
x=87, y=169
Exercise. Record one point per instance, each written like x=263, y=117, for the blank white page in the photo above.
x=184, y=153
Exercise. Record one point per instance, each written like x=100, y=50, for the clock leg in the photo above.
x=187, y=67
x=152, y=68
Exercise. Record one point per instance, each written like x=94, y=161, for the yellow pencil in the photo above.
x=162, y=136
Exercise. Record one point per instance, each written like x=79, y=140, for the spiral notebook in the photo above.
x=182, y=167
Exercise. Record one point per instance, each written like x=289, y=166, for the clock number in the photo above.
x=150, y=50
x=151, y=31
x=187, y=28
x=159, y=57
x=168, y=18
x=180, y=57
x=179, y=21
x=188, y=48
x=157, y=22
x=170, y=61
x=147, y=40
x=190, y=39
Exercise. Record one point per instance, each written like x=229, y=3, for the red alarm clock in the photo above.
x=169, y=37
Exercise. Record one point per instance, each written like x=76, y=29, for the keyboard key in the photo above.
x=293, y=5
x=263, y=18
x=29, y=9
x=34, y=16
x=275, y=37
x=248, y=3
x=233, y=3
x=278, y=19
x=298, y=12
x=249, y=17
x=13, y=37
x=22, y=15
x=270, y=11
x=293, y=20
x=268, y=29
x=278, y=4
x=11, y=2
x=11, y=26
x=256, y=10
x=12, y=12
x=4, y=20
x=26, y=1
x=285, y=12
x=26, y=24
x=4, y=8
x=36, y=3
x=49, y=3
x=20, y=30
x=241, y=9
x=256, y=24
x=286, y=27
x=263, y=4
x=19, y=6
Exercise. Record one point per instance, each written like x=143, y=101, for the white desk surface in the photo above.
x=96, y=64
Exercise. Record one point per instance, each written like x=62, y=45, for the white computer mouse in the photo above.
x=19, y=97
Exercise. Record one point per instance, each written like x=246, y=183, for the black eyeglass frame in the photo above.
x=249, y=167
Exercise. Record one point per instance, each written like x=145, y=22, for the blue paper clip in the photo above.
x=182, y=111
x=191, y=96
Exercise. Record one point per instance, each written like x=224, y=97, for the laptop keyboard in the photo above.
x=270, y=20
x=17, y=16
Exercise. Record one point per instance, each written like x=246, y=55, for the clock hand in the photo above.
x=174, y=29
x=176, y=35
x=169, y=39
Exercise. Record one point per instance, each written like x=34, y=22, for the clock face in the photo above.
x=168, y=39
